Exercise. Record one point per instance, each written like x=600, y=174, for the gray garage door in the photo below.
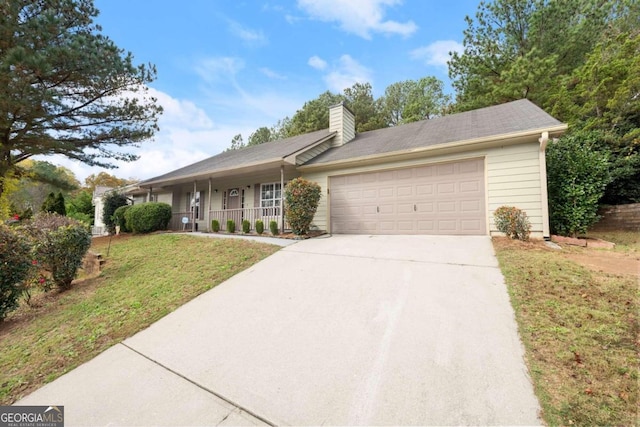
x=445, y=198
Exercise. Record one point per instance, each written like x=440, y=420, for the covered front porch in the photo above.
x=244, y=194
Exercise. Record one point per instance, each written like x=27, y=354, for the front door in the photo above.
x=233, y=201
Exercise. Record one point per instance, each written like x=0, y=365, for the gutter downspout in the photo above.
x=282, y=198
x=193, y=208
x=544, y=139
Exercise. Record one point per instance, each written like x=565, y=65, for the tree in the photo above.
x=80, y=207
x=112, y=200
x=314, y=114
x=67, y=89
x=260, y=136
x=54, y=203
x=519, y=49
x=368, y=116
x=236, y=143
x=103, y=179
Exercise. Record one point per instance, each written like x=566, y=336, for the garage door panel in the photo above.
x=431, y=199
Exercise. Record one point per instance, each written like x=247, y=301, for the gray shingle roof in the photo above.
x=245, y=156
x=516, y=116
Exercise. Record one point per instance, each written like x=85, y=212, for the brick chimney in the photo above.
x=341, y=120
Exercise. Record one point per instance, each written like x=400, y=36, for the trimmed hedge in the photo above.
x=215, y=225
x=231, y=226
x=246, y=226
x=148, y=217
x=273, y=226
x=259, y=226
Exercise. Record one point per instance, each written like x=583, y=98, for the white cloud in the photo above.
x=219, y=68
x=248, y=35
x=347, y=72
x=437, y=53
x=317, y=62
x=360, y=17
x=272, y=74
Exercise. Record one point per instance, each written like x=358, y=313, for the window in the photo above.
x=270, y=195
x=193, y=204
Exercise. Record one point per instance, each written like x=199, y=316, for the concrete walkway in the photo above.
x=346, y=330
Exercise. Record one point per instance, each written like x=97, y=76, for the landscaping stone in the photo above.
x=569, y=241
x=601, y=244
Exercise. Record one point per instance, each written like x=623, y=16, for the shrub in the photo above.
x=15, y=264
x=59, y=244
x=513, y=222
x=259, y=226
x=273, y=226
x=119, y=217
x=577, y=176
x=246, y=226
x=231, y=226
x=112, y=201
x=148, y=217
x=54, y=204
x=301, y=203
x=215, y=225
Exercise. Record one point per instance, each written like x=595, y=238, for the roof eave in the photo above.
x=503, y=139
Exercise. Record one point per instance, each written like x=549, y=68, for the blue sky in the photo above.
x=229, y=67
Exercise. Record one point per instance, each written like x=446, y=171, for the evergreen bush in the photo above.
x=273, y=226
x=259, y=226
x=148, y=217
x=231, y=226
x=215, y=225
x=246, y=226
x=301, y=202
x=15, y=264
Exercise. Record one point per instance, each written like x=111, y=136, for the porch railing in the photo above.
x=237, y=215
x=249, y=214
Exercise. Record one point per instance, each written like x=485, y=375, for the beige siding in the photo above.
x=165, y=198
x=513, y=179
x=343, y=122
x=315, y=151
x=512, y=175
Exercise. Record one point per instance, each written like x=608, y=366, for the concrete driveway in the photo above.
x=344, y=330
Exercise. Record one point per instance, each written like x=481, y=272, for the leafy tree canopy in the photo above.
x=65, y=88
x=104, y=179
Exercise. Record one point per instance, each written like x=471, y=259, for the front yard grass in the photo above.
x=580, y=330
x=144, y=278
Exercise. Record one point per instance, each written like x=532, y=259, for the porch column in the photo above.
x=282, y=197
x=193, y=208
x=150, y=194
x=208, y=218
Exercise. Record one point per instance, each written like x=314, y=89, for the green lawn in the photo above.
x=580, y=330
x=144, y=278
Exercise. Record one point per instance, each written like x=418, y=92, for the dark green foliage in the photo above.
x=231, y=226
x=80, y=207
x=246, y=226
x=577, y=174
x=273, y=226
x=15, y=264
x=59, y=244
x=68, y=89
x=54, y=204
x=301, y=202
x=120, y=220
x=513, y=222
x=215, y=225
x=259, y=226
x=148, y=217
x=112, y=201
x=60, y=207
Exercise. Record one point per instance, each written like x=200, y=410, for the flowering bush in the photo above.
x=301, y=202
x=513, y=222
x=59, y=244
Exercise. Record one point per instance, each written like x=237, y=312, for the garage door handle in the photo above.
x=378, y=209
x=414, y=208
